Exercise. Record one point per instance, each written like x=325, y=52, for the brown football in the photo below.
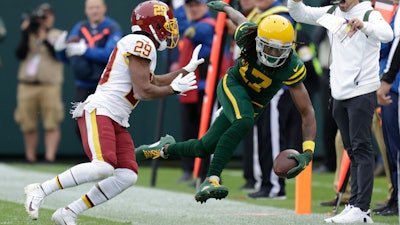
x=282, y=164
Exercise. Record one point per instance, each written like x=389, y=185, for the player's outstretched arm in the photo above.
x=166, y=79
x=303, y=103
x=236, y=17
x=139, y=69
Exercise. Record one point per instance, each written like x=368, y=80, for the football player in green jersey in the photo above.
x=267, y=62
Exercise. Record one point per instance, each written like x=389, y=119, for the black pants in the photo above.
x=354, y=119
x=329, y=124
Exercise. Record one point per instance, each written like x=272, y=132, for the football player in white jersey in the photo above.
x=103, y=117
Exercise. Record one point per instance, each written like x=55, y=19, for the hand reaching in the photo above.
x=185, y=83
x=194, y=62
x=61, y=43
x=303, y=159
x=217, y=5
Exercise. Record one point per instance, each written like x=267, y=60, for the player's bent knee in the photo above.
x=125, y=177
x=102, y=169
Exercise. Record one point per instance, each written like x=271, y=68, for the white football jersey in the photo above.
x=114, y=96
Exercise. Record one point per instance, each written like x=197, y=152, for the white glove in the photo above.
x=183, y=84
x=61, y=43
x=194, y=62
x=77, y=49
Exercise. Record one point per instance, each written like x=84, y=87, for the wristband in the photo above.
x=309, y=145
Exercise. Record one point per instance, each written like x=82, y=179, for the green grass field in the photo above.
x=170, y=202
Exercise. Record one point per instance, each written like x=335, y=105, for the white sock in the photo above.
x=105, y=190
x=79, y=174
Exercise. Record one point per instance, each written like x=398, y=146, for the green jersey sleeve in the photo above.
x=241, y=29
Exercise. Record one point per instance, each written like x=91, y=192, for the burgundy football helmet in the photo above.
x=156, y=19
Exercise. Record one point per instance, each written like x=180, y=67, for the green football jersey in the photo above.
x=263, y=82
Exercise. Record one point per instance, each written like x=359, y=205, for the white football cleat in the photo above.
x=355, y=215
x=34, y=199
x=346, y=209
x=63, y=217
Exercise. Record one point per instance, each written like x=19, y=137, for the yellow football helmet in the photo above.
x=274, y=41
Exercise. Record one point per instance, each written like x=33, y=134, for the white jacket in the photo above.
x=355, y=66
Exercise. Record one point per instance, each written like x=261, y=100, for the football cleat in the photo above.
x=34, y=199
x=63, y=217
x=211, y=189
x=154, y=150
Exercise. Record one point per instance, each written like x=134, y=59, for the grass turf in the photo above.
x=232, y=178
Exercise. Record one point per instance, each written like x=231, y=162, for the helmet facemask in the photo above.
x=272, y=53
x=155, y=18
x=169, y=35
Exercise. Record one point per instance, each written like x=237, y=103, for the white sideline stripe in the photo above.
x=140, y=205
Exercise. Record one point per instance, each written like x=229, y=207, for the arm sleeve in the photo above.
x=240, y=30
x=376, y=27
x=23, y=47
x=306, y=14
x=393, y=65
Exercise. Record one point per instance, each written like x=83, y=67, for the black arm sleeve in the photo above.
x=394, y=68
x=50, y=48
x=22, y=49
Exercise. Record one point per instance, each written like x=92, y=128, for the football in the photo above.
x=282, y=164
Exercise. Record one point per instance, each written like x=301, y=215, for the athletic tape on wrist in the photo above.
x=309, y=145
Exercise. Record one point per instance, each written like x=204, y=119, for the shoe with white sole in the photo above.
x=346, y=209
x=355, y=215
x=63, y=217
x=34, y=199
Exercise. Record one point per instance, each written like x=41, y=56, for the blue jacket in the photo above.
x=101, y=40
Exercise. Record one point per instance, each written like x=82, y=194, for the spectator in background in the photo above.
x=197, y=28
x=354, y=80
x=388, y=97
x=40, y=77
x=88, y=47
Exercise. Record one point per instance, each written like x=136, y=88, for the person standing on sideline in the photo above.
x=103, y=118
x=354, y=79
x=87, y=48
x=266, y=63
x=388, y=97
x=40, y=77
